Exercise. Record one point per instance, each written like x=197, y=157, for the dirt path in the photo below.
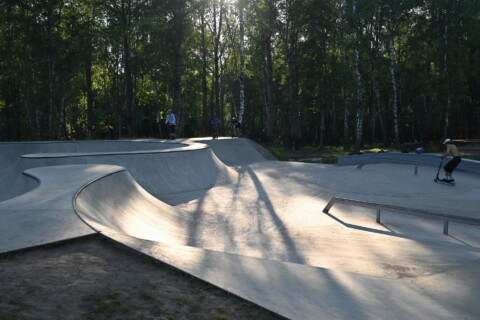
x=91, y=278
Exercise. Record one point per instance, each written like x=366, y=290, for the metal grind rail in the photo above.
x=409, y=211
x=395, y=160
x=472, y=169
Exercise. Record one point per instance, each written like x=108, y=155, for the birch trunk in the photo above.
x=395, y=92
x=241, y=5
x=128, y=87
x=217, y=31
x=447, y=83
x=89, y=83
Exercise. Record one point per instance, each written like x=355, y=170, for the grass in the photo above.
x=279, y=152
x=145, y=295
x=105, y=305
x=4, y=316
x=471, y=156
x=328, y=154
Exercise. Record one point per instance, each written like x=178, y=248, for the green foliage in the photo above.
x=7, y=316
x=279, y=152
x=78, y=69
x=471, y=156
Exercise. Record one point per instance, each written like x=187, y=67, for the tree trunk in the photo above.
x=395, y=92
x=178, y=25
x=294, y=139
x=205, y=117
x=61, y=118
x=378, y=107
x=359, y=96
x=217, y=31
x=241, y=5
x=447, y=83
x=89, y=91
x=346, y=109
x=130, y=112
x=321, y=140
x=268, y=75
x=51, y=93
x=295, y=132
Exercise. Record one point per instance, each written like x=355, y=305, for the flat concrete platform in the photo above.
x=221, y=211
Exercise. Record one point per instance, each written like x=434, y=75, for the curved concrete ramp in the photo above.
x=295, y=291
x=45, y=214
x=16, y=157
x=120, y=209
x=236, y=152
x=256, y=227
x=118, y=203
x=160, y=167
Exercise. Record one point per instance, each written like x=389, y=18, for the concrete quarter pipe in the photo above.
x=220, y=211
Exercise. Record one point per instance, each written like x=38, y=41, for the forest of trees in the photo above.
x=295, y=72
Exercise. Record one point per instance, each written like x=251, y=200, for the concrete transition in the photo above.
x=223, y=212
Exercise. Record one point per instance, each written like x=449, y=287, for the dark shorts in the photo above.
x=452, y=164
x=172, y=128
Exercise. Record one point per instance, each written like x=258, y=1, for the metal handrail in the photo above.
x=415, y=162
x=410, y=211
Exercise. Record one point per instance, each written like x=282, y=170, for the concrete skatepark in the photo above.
x=221, y=211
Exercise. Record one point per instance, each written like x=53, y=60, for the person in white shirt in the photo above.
x=452, y=164
x=171, y=123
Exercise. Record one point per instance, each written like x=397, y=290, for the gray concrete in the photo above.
x=45, y=214
x=225, y=214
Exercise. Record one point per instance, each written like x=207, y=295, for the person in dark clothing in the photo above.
x=236, y=127
x=215, y=127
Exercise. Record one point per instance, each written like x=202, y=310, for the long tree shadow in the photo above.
x=263, y=197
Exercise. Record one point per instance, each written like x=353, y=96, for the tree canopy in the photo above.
x=345, y=72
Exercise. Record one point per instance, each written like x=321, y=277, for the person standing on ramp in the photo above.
x=171, y=123
x=451, y=150
x=215, y=127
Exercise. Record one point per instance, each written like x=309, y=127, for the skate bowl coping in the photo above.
x=403, y=210
x=138, y=156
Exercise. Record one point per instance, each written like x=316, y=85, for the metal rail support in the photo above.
x=385, y=159
x=408, y=211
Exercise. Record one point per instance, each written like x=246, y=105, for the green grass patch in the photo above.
x=7, y=316
x=330, y=159
x=179, y=299
x=279, y=152
x=471, y=157
x=220, y=317
x=309, y=154
x=145, y=295
x=110, y=304
x=220, y=309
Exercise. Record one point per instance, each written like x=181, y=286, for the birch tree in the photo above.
x=241, y=6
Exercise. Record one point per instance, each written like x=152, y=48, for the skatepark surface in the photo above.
x=221, y=211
